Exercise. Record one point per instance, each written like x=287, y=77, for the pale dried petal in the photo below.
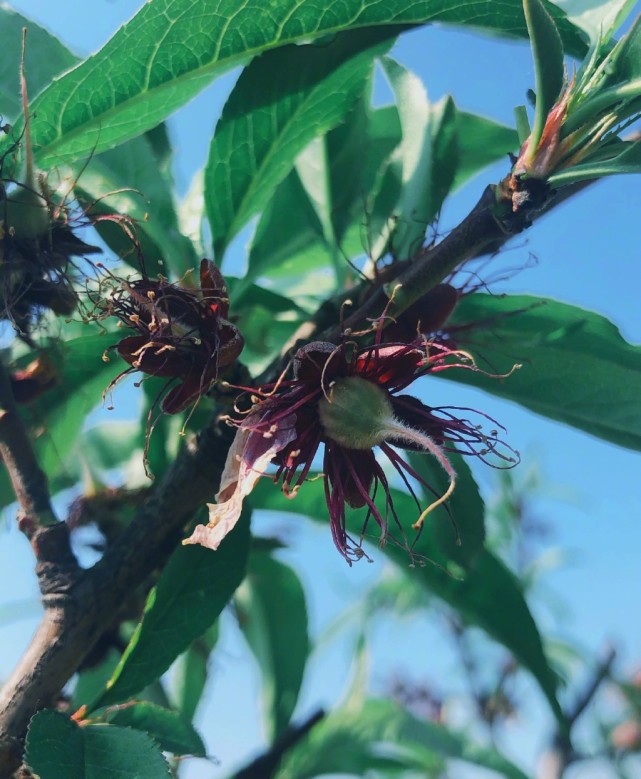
x=247, y=460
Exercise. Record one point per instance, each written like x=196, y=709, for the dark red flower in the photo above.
x=182, y=334
x=350, y=400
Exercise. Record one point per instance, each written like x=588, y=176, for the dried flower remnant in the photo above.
x=349, y=400
x=37, y=243
x=182, y=334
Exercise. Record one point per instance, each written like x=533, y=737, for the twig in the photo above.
x=264, y=766
x=77, y=613
x=27, y=478
x=562, y=754
x=80, y=604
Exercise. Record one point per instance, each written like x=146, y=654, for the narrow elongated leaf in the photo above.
x=272, y=614
x=313, y=168
x=547, y=50
x=172, y=49
x=627, y=56
x=354, y=739
x=192, y=591
x=58, y=749
x=191, y=671
x=481, y=142
x=628, y=161
x=281, y=101
x=559, y=346
x=486, y=583
x=171, y=729
x=427, y=155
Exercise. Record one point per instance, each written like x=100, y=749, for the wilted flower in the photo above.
x=348, y=399
x=182, y=334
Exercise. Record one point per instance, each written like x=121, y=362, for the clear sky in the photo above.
x=587, y=253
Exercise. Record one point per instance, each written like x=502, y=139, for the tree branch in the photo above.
x=554, y=762
x=266, y=765
x=80, y=605
x=27, y=478
x=78, y=611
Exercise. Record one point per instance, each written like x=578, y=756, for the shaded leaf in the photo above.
x=628, y=161
x=280, y=102
x=193, y=589
x=58, y=749
x=486, y=584
x=427, y=156
x=45, y=57
x=576, y=367
x=355, y=739
x=57, y=417
x=171, y=729
x=272, y=614
x=190, y=673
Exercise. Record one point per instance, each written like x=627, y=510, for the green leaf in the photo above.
x=488, y=596
x=481, y=142
x=191, y=671
x=45, y=57
x=91, y=682
x=192, y=590
x=628, y=161
x=288, y=227
x=626, y=58
x=58, y=749
x=289, y=238
x=427, y=155
x=356, y=739
x=280, y=102
x=172, y=49
x=601, y=18
x=171, y=729
x=459, y=534
x=59, y=414
x=272, y=614
x=547, y=51
x=128, y=180
x=560, y=347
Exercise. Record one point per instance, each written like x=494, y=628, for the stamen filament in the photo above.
x=394, y=429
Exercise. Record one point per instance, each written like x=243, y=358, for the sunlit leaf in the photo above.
x=193, y=589
x=172, y=49
x=547, y=50
x=427, y=155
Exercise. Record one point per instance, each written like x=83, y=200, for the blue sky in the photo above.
x=587, y=254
